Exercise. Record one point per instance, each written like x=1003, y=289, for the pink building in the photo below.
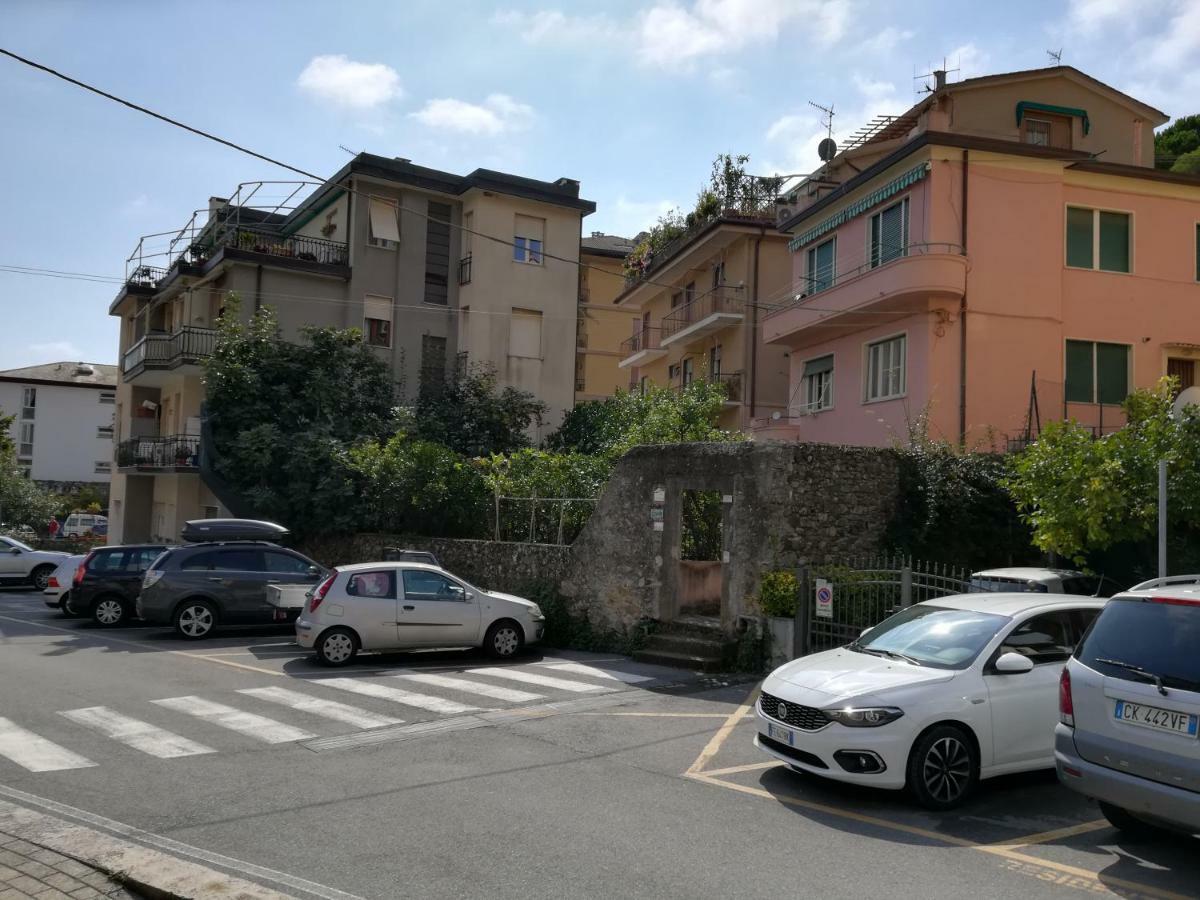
x=1005, y=252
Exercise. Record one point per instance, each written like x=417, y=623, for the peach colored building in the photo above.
x=1003, y=254
x=602, y=326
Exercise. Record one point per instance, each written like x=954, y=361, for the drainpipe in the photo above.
x=258, y=288
x=962, y=318
x=754, y=329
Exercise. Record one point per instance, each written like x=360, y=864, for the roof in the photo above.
x=1070, y=71
x=1028, y=573
x=395, y=564
x=606, y=245
x=1002, y=604
x=65, y=373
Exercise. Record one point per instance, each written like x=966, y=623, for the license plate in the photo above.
x=785, y=735
x=1153, y=717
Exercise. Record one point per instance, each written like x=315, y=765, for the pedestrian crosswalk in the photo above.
x=188, y=726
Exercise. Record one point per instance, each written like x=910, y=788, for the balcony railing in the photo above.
x=720, y=300
x=271, y=243
x=646, y=338
x=146, y=276
x=177, y=451
x=464, y=270
x=732, y=382
x=168, y=351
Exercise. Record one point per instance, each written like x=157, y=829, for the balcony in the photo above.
x=643, y=347
x=732, y=382
x=165, y=352
x=842, y=302
x=719, y=308
x=464, y=270
x=172, y=453
x=266, y=242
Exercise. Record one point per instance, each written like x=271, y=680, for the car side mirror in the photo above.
x=1013, y=664
x=314, y=571
x=468, y=596
x=15, y=551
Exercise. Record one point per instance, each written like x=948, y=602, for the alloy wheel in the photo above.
x=41, y=579
x=195, y=621
x=109, y=612
x=338, y=647
x=947, y=769
x=506, y=641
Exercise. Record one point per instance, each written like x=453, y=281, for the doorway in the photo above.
x=701, y=541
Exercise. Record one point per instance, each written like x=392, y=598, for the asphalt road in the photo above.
x=560, y=775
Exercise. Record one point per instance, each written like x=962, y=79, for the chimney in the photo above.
x=215, y=204
x=939, y=79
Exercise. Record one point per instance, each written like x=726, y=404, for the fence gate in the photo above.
x=864, y=592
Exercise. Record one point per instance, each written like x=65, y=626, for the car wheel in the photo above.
x=504, y=639
x=64, y=605
x=195, y=619
x=943, y=767
x=110, y=611
x=1128, y=824
x=41, y=577
x=337, y=647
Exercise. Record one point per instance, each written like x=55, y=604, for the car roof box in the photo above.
x=201, y=530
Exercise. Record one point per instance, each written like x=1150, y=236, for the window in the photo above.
x=26, y=444
x=1047, y=638
x=103, y=467
x=385, y=228
x=28, y=402
x=468, y=234
x=687, y=372
x=820, y=266
x=643, y=383
x=1098, y=239
x=107, y=561
x=689, y=293
x=718, y=274
x=210, y=512
x=818, y=383
x=580, y=374
x=420, y=584
x=433, y=362
x=1037, y=132
x=714, y=362
x=108, y=396
x=377, y=320
x=285, y=563
x=1159, y=637
x=525, y=333
x=527, y=243
x=1184, y=370
x=885, y=369
x=437, y=254
x=889, y=233
x=677, y=300
x=673, y=373
x=380, y=585
x=203, y=560
x=104, y=432
x=1096, y=372
x=240, y=560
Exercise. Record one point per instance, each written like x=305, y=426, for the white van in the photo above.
x=79, y=524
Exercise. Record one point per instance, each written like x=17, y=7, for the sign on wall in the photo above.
x=824, y=599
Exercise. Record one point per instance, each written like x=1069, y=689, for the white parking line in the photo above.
x=561, y=684
x=595, y=672
x=258, y=727
x=330, y=709
x=34, y=752
x=137, y=734
x=370, y=688
x=473, y=687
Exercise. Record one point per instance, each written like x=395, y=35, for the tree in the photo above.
x=1188, y=163
x=471, y=415
x=7, y=447
x=22, y=502
x=1179, y=138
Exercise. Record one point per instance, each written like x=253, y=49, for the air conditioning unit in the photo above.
x=783, y=213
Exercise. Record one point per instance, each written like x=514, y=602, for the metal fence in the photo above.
x=540, y=520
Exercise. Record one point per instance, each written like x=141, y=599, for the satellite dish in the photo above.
x=1187, y=397
x=827, y=149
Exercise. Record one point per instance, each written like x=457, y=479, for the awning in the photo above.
x=376, y=307
x=1026, y=105
x=818, y=366
x=384, y=226
x=889, y=190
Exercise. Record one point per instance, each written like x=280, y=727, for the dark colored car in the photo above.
x=197, y=587
x=107, y=582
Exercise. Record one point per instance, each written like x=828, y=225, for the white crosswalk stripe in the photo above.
x=596, y=672
x=548, y=681
x=255, y=726
x=330, y=709
x=34, y=752
x=372, y=688
x=137, y=734
x=472, y=687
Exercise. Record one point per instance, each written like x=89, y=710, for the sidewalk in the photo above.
x=27, y=870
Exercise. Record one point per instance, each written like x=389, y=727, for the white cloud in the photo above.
x=343, y=82
x=627, y=217
x=1092, y=15
x=970, y=61
x=55, y=351
x=499, y=113
x=550, y=26
x=887, y=40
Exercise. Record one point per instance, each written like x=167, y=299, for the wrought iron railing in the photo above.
x=719, y=300
x=272, y=243
x=732, y=382
x=165, y=351
x=177, y=451
x=146, y=276
x=646, y=338
x=464, y=270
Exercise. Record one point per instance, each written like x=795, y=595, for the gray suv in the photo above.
x=197, y=587
x=1129, y=709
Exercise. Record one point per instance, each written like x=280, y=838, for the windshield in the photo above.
x=932, y=636
x=1160, y=638
x=13, y=542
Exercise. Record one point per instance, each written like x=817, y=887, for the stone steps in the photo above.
x=689, y=642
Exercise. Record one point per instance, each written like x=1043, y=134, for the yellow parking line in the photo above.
x=657, y=715
x=1057, y=834
x=1076, y=872
x=752, y=767
x=715, y=742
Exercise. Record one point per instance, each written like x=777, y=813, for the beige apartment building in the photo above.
x=696, y=313
x=602, y=326
x=400, y=251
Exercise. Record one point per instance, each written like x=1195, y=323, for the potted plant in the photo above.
x=777, y=597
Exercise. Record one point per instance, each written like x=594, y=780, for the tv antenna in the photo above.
x=940, y=76
x=826, y=117
x=348, y=150
x=1055, y=55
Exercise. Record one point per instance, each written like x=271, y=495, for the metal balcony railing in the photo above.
x=721, y=299
x=646, y=338
x=732, y=382
x=166, y=351
x=146, y=276
x=464, y=270
x=271, y=243
x=177, y=451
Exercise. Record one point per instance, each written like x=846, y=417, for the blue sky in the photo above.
x=632, y=99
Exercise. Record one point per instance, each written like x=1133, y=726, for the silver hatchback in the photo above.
x=1129, y=709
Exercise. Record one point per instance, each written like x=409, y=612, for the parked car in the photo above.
x=58, y=589
x=402, y=605
x=20, y=532
x=933, y=698
x=106, y=584
x=21, y=564
x=1129, y=709
x=222, y=578
x=1045, y=581
x=80, y=524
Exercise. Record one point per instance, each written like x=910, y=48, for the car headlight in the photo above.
x=865, y=716
x=535, y=612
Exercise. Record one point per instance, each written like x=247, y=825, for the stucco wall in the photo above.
x=66, y=445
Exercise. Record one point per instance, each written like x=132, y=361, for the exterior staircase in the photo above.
x=689, y=642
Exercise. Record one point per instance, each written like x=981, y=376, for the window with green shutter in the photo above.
x=820, y=266
x=1079, y=237
x=1114, y=241
x=1098, y=239
x=1112, y=373
x=1080, y=386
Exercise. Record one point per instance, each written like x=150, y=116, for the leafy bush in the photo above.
x=778, y=594
x=549, y=477
x=471, y=415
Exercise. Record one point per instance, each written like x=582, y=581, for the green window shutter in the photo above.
x=1079, y=372
x=1079, y=237
x=1114, y=242
x=1112, y=372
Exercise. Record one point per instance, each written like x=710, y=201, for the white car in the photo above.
x=83, y=524
x=58, y=588
x=21, y=564
x=1045, y=581
x=402, y=605
x=933, y=698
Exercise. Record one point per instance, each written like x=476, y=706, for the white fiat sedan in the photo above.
x=404, y=605
x=933, y=698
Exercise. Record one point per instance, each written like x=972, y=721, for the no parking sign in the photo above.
x=824, y=599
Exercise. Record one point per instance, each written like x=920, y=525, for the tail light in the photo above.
x=53, y=582
x=1066, y=704
x=319, y=593
x=81, y=569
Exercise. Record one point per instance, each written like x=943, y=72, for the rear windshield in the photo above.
x=980, y=584
x=1160, y=638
